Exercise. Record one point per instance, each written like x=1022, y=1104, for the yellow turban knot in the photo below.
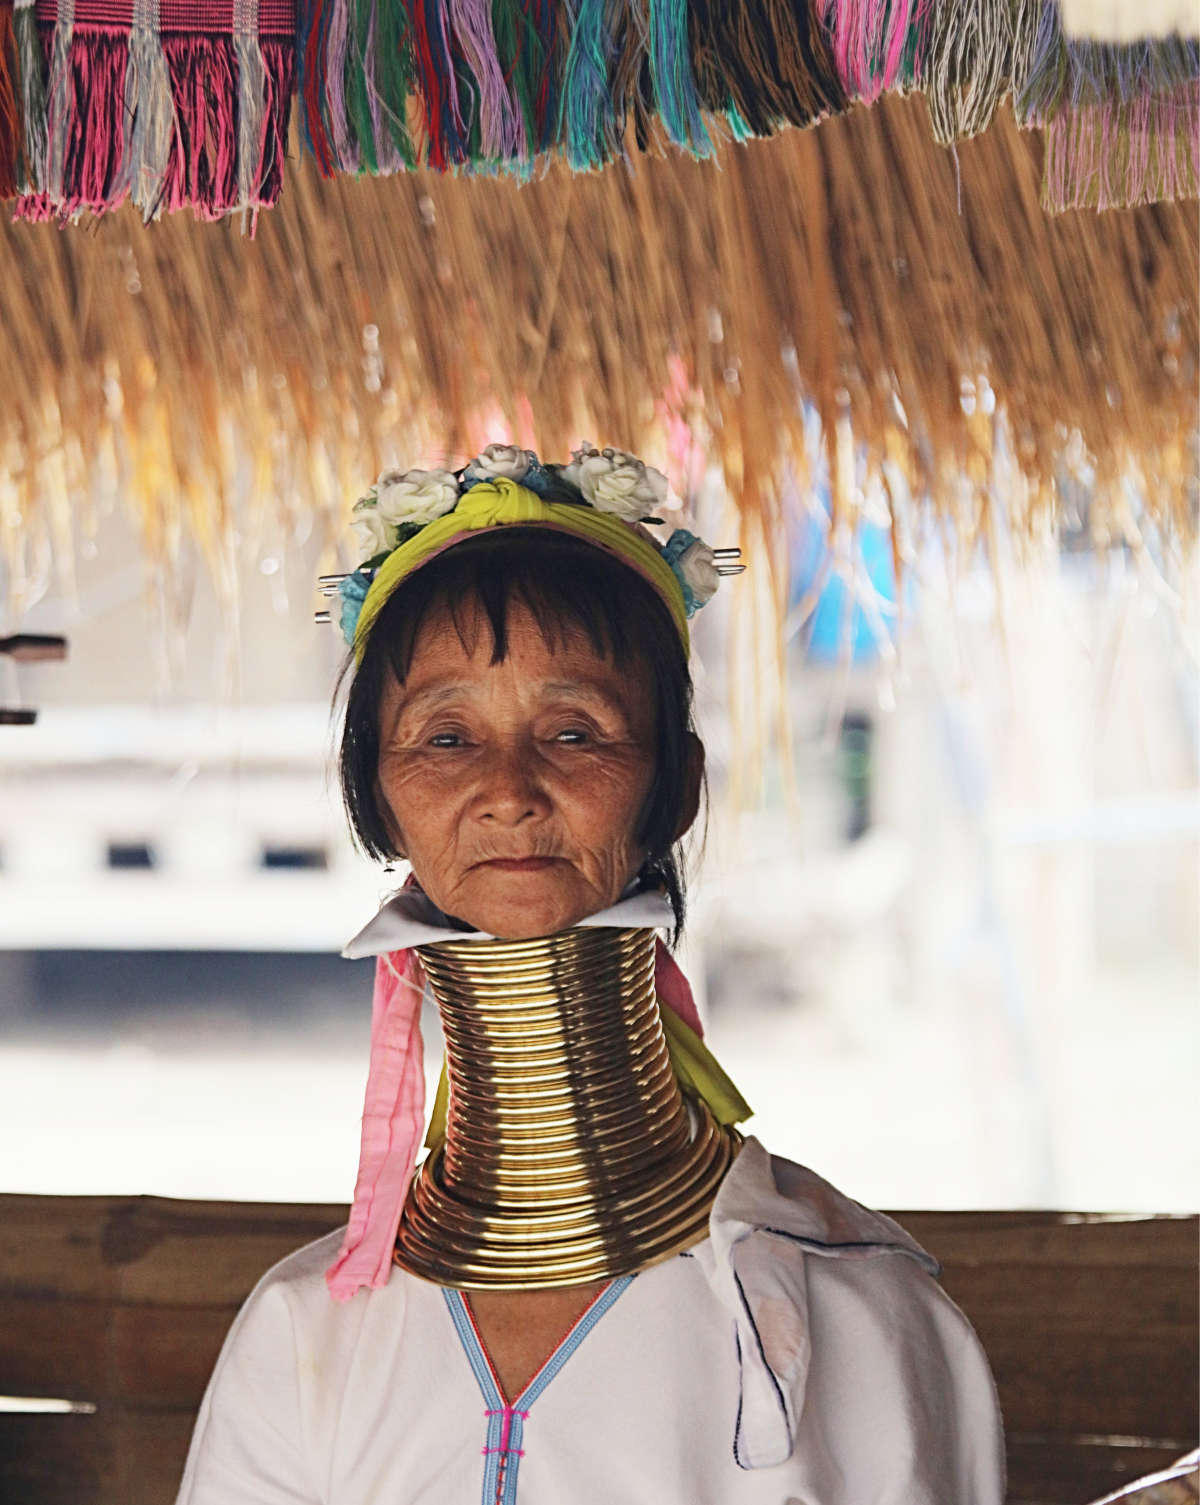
x=504, y=503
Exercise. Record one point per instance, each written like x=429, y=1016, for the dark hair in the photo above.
x=567, y=584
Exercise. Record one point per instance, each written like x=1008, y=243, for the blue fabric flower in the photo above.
x=353, y=591
x=674, y=548
x=538, y=479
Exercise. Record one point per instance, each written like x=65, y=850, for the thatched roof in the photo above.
x=858, y=270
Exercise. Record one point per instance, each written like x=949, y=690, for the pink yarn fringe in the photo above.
x=202, y=169
x=91, y=127
x=869, y=38
x=1114, y=155
x=501, y=125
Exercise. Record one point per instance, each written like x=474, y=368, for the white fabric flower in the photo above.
x=374, y=534
x=501, y=461
x=698, y=566
x=578, y=456
x=617, y=482
x=415, y=496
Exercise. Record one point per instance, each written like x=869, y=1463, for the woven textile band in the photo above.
x=276, y=18
x=503, y=503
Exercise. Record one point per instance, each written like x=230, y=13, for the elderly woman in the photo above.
x=593, y=1289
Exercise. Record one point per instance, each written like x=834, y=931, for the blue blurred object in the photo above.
x=809, y=553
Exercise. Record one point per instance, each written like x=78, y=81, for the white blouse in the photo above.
x=802, y=1354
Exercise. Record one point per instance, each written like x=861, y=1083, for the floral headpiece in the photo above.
x=408, y=517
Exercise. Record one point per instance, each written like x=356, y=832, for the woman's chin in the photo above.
x=520, y=907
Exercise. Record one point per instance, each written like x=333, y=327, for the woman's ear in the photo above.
x=693, y=782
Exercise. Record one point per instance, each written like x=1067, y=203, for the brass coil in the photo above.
x=571, y=1155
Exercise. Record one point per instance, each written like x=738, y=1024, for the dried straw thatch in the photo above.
x=217, y=382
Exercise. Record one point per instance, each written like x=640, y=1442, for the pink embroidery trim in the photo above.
x=507, y=1412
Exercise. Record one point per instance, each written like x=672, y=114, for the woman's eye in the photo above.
x=573, y=735
x=446, y=739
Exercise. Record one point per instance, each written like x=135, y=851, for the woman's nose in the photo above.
x=510, y=790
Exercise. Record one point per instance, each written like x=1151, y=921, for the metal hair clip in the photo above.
x=327, y=585
x=729, y=561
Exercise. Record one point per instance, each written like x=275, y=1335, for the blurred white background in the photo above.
x=952, y=957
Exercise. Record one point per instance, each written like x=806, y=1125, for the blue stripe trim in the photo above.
x=493, y=1400
x=482, y=1370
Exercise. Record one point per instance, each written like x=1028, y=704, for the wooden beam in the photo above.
x=1089, y=1323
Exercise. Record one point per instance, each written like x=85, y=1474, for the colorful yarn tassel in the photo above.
x=527, y=34
x=83, y=165
x=170, y=103
x=632, y=86
x=251, y=100
x=1113, y=155
x=279, y=72
x=371, y=85
x=10, y=119
x=1122, y=121
x=393, y=82
x=31, y=68
x=1044, y=81
x=766, y=64
x=500, y=121
x=353, y=111
x=436, y=79
x=874, y=43
x=967, y=58
x=674, y=83
x=1059, y=72
x=149, y=112
x=313, y=22
x=202, y=164
x=185, y=103
x=63, y=120
x=591, y=134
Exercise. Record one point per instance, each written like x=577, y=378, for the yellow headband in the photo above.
x=491, y=504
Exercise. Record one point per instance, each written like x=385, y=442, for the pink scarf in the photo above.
x=394, y=1112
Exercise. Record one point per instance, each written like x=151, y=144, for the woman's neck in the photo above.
x=571, y=1155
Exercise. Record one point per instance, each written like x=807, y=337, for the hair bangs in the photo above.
x=567, y=586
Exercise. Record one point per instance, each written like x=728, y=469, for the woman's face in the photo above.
x=515, y=788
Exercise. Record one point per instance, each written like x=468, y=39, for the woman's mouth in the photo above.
x=520, y=864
